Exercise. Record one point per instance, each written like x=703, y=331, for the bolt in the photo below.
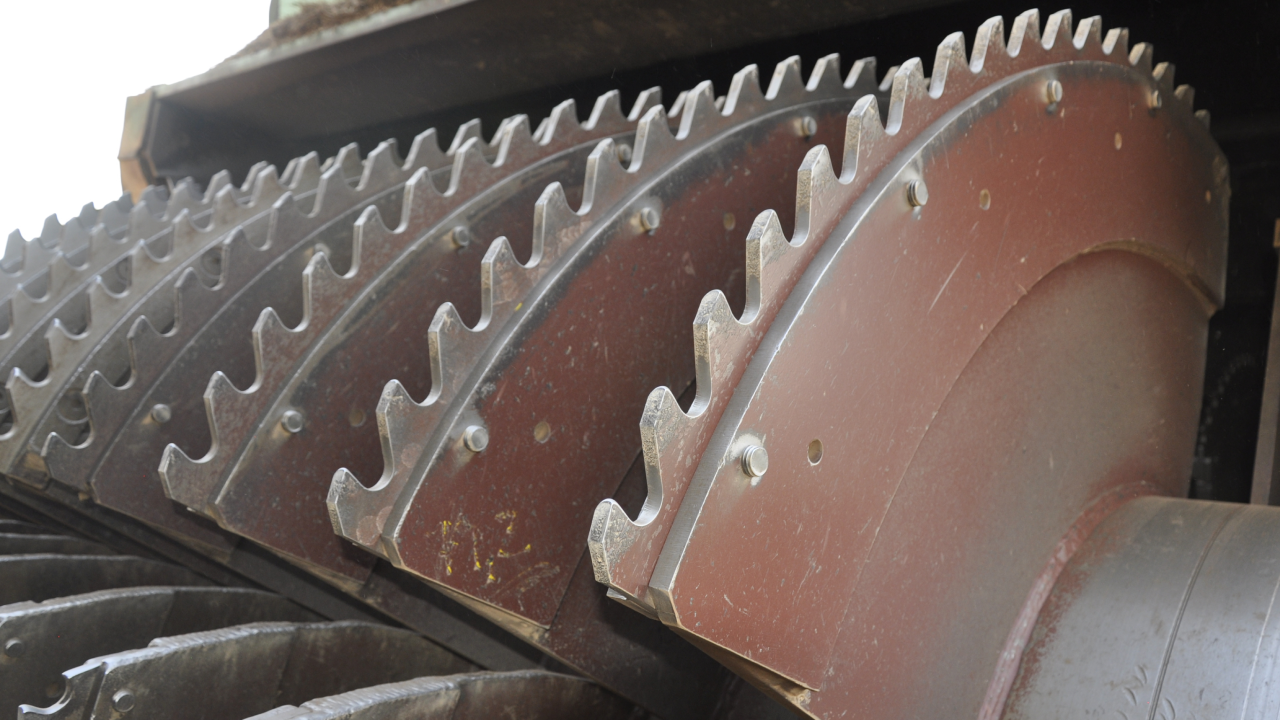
x=624, y=153
x=161, y=413
x=808, y=126
x=650, y=219
x=476, y=438
x=755, y=461
x=917, y=193
x=15, y=648
x=1157, y=100
x=1053, y=92
x=292, y=421
x=460, y=236
x=123, y=701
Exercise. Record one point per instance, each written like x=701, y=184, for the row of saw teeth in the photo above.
x=364, y=514
x=374, y=247
x=108, y=353
x=624, y=551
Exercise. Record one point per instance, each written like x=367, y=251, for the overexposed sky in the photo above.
x=65, y=70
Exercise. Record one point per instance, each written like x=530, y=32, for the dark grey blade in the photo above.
x=537, y=694
x=254, y=668
x=40, y=577
x=18, y=527
x=23, y=544
x=40, y=640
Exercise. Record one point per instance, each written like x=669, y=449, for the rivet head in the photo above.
x=460, y=235
x=476, y=438
x=808, y=126
x=624, y=153
x=650, y=218
x=123, y=701
x=917, y=193
x=15, y=648
x=161, y=413
x=1157, y=100
x=755, y=461
x=292, y=421
x=1053, y=92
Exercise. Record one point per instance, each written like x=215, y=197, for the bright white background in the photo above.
x=66, y=68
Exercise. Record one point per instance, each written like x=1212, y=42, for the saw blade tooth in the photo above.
x=1057, y=32
x=143, y=221
x=381, y=167
x=50, y=232
x=504, y=282
x=787, y=83
x=825, y=78
x=1117, y=42
x=1140, y=58
x=1187, y=96
x=1088, y=32
x=14, y=259
x=219, y=180
x=333, y=193
x=698, y=112
x=1163, y=75
x=555, y=225
x=471, y=171
x=24, y=399
x=677, y=105
x=1025, y=32
x=909, y=87
x=606, y=182
x=348, y=162
x=306, y=174
x=185, y=196
x=516, y=143
x=655, y=145
x=251, y=176
x=188, y=481
x=466, y=131
x=744, y=92
x=647, y=98
x=562, y=122
x=425, y=151
x=988, y=44
x=402, y=427
x=949, y=61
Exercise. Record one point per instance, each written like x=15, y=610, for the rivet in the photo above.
x=807, y=126
x=1119, y=141
x=650, y=219
x=1053, y=92
x=15, y=648
x=476, y=438
x=815, y=452
x=460, y=235
x=123, y=701
x=624, y=153
x=984, y=199
x=755, y=461
x=1157, y=100
x=917, y=193
x=292, y=421
x=161, y=413
x=542, y=431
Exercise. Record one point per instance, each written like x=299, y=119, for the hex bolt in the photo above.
x=624, y=153
x=755, y=461
x=15, y=648
x=460, y=235
x=161, y=413
x=808, y=127
x=650, y=219
x=1053, y=92
x=476, y=438
x=123, y=701
x=917, y=193
x=292, y=421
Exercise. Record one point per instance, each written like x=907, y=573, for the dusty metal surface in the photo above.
x=62, y=633
x=535, y=695
x=259, y=666
x=1165, y=611
x=37, y=544
x=916, y=288
x=34, y=578
x=370, y=319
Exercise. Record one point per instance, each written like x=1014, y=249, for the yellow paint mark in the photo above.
x=448, y=569
x=444, y=527
x=519, y=305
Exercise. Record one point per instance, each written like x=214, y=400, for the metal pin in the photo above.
x=755, y=461
x=808, y=126
x=476, y=438
x=1053, y=92
x=15, y=648
x=123, y=701
x=460, y=236
x=650, y=219
x=161, y=413
x=1157, y=100
x=917, y=193
x=292, y=421
x=624, y=153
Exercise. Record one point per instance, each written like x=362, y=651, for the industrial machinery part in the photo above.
x=928, y=456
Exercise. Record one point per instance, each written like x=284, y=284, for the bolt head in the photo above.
x=755, y=461
x=161, y=413
x=15, y=648
x=624, y=153
x=650, y=219
x=476, y=438
x=1053, y=92
x=292, y=421
x=123, y=701
x=808, y=126
x=460, y=235
x=1157, y=100
x=917, y=193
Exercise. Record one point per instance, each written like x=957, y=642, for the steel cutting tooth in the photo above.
x=562, y=341
x=35, y=578
x=246, y=424
x=539, y=695
x=261, y=237
x=42, y=544
x=908, y=284
x=43, y=639
x=259, y=666
x=23, y=260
